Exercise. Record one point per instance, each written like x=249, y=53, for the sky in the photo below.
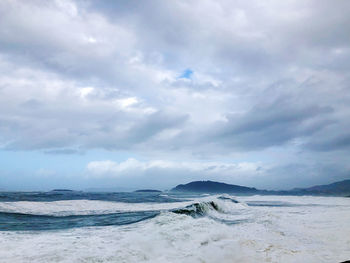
x=150, y=94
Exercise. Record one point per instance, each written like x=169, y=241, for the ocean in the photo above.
x=64, y=226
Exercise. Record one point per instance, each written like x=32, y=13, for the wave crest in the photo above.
x=198, y=209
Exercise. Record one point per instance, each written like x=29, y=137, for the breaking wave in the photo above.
x=25, y=215
x=244, y=229
x=198, y=209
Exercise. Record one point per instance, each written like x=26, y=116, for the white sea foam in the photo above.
x=304, y=233
x=90, y=207
x=82, y=207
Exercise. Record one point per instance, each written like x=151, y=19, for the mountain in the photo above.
x=337, y=188
x=214, y=187
x=341, y=188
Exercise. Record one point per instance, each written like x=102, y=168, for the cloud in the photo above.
x=168, y=173
x=118, y=169
x=63, y=151
x=54, y=113
x=338, y=141
x=198, y=80
x=265, y=126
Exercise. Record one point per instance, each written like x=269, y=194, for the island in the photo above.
x=214, y=187
x=62, y=190
x=341, y=188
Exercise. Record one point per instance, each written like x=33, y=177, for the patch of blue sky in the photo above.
x=186, y=74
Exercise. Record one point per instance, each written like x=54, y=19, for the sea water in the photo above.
x=162, y=227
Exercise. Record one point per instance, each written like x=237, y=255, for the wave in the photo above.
x=226, y=197
x=275, y=234
x=94, y=207
x=223, y=208
x=23, y=222
x=25, y=215
x=197, y=209
x=84, y=207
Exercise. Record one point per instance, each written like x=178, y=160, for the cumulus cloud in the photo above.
x=119, y=169
x=168, y=173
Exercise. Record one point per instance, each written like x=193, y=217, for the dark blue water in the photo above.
x=21, y=222
x=15, y=216
x=18, y=221
x=127, y=197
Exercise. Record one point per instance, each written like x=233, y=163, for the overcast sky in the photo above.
x=130, y=94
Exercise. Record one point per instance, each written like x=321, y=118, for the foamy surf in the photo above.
x=92, y=207
x=298, y=229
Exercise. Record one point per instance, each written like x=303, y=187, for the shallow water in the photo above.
x=160, y=227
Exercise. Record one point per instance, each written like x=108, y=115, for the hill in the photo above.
x=213, y=187
x=337, y=188
x=341, y=188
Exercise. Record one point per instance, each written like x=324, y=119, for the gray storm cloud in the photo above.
x=267, y=77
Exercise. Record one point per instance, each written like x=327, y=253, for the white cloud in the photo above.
x=133, y=167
